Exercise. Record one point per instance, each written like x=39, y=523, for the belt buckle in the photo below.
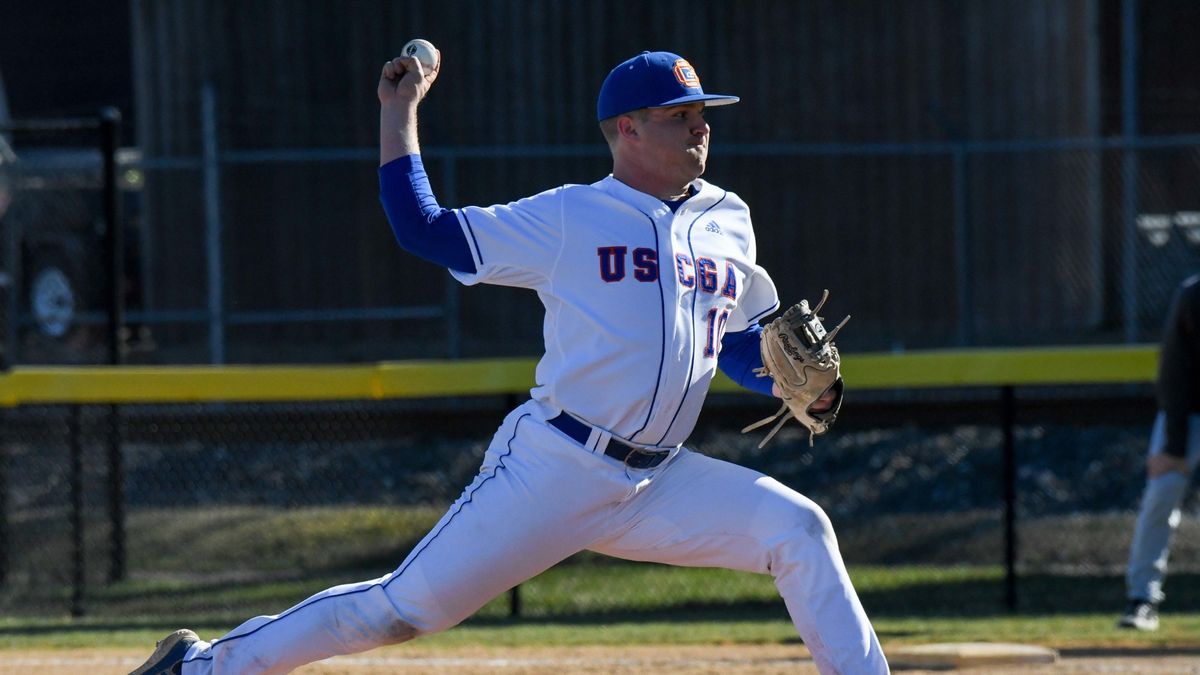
x=648, y=457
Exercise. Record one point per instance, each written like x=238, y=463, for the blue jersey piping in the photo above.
x=695, y=294
x=478, y=253
x=662, y=324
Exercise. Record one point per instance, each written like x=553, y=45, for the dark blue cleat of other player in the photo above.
x=167, y=658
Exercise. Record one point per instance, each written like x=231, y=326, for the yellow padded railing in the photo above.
x=428, y=379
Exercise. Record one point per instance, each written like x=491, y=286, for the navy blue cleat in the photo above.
x=167, y=658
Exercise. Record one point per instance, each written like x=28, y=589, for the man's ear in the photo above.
x=627, y=126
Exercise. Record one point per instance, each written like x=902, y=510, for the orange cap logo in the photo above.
x=686, y=74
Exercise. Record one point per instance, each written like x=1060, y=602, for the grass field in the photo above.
x=650, y=604
x=246, y=561
x=591, y=616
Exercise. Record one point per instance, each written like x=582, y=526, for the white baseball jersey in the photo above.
x=637, y=297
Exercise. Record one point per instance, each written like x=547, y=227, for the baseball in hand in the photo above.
x=424, y=51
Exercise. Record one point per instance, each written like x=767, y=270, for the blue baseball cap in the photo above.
x=652, y=80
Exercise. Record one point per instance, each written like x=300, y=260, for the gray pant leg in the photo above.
x=1157, y=519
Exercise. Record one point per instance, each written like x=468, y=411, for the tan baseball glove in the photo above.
x=799, y=355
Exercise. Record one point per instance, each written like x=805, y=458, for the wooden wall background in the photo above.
x=876, y=228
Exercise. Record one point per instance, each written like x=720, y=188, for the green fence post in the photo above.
x=1008, y=414
x=514, y=594
x=78, y=579
x=114, y=240
x=5, y=535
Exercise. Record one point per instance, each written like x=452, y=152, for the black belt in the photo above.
x=637, y=458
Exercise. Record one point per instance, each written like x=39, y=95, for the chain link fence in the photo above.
x=954, y=245
x=210, y=511
x=973, y=244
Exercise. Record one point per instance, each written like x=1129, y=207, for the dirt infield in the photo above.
x=690, y=660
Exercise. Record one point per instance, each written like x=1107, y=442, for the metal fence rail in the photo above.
x=1079, y=267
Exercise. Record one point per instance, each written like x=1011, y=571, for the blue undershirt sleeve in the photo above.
x=740, y=356
x=421, y=226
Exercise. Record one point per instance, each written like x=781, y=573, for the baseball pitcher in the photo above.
x=650, y=283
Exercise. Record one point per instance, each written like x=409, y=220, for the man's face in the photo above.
x=674, y=141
